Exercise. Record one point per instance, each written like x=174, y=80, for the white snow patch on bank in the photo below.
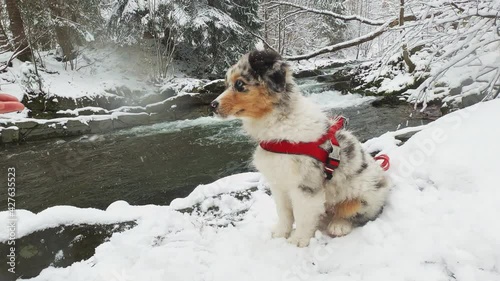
x=317, y=63
x=335, y=99
x=63, y=120
x=440, y=223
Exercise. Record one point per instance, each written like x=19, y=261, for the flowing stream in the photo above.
x=156, y=163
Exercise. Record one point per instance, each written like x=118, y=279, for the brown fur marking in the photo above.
x=347, y=209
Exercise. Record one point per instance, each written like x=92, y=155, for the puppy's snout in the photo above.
x=214, y=105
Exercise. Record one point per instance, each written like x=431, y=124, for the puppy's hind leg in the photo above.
x=341, y=223
x=285, y=214
x=353, y=213
x=308, y=207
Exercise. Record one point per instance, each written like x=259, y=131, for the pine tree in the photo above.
x=221, y=32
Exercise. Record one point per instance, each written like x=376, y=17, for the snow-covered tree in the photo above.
x=67, y=24
x=208, y=34
x=218, y=33
x=291, y=30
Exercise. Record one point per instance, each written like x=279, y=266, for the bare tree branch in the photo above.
x=372, y=35
x=332, y=14
x=263, y=41
x=346, y=44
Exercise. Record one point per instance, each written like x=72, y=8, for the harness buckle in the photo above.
x=334, y=152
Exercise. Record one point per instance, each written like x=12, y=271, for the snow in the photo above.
x=59, y=256
x=183, y=85
x=27, y=222
x=388, y=140
x=439, y=222
x=399, y=82
x=212, y=15
x=77, y=111
x=345, y=44
x=9, y=128
x=97, y=73
x=102, y=71
x=317, y=63
x=334, y=15
x=334, y=99
x=228, y=184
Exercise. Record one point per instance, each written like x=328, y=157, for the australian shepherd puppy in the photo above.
x=262, y=93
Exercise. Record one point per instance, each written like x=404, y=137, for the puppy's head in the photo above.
x=258, y=83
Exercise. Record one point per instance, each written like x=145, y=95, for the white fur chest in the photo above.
x=280, y=170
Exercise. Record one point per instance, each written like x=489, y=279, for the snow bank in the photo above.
x=440, y=222
x=121, y=211
x=317, y=63
x=238, y=182
x=85, y=119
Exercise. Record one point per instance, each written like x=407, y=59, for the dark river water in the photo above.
x=155, y=164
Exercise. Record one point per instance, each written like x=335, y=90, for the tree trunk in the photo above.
x=4, y=38
x=17, y=28
x=280, y=28
x=402, y=13
x=408, y=61
x=63, y=33
x=266, y=23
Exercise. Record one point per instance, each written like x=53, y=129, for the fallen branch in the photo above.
x=14, y=55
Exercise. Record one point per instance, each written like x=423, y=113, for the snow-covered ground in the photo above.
x=97, y=71
x=440, y=222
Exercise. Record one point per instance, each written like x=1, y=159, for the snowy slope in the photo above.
x=441, y=222
x=99, y=71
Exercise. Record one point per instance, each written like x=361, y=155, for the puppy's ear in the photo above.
x=270, y=67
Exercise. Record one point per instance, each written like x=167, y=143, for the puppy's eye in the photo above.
x=239, y=85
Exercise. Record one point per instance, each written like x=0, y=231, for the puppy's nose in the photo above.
x=214, y=105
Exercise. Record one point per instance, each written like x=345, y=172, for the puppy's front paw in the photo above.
x=299, y=241
x=281, y=231
x=339, y=227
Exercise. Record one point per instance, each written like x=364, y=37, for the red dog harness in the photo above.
x=329, y=158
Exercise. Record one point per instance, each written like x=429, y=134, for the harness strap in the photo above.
x=385, y=161
x=311, y=149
